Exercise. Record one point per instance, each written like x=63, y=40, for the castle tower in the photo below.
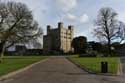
x=48, y=29
x=60, y=25
x=70, y=27
x=58, y=39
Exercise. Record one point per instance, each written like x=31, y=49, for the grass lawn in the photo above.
x=12, y=63
x=94, y=63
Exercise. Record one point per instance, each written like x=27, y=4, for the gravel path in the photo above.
x=59, y=70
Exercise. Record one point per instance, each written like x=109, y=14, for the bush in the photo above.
x=87, y=55
x=83, y=55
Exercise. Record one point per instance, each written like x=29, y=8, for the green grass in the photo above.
x=94, y=63
x=12, y=63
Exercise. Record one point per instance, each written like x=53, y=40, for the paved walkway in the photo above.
x=59, y=70
x=122, y=62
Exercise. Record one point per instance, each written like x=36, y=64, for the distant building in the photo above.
x=34, y=52
x=23, y=50
x=58, y=40
x=20, y=49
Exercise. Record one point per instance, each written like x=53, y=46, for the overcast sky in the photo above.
x=80, y=13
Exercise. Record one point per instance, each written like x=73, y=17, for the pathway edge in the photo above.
x=21, y=70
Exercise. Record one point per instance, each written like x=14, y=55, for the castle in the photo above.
x=58, y=40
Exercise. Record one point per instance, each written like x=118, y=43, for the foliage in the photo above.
x=79, y=44
x=96, y=46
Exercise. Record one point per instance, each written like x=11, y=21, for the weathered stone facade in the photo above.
x=58, y=39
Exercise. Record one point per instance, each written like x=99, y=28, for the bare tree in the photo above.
x=121, y=32
x=16, y=25
x=107, y=26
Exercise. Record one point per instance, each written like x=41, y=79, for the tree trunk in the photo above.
x=109, y=46
x=2, y=51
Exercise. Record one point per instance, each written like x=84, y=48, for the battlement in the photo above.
x=60, y=25
x=70, y=27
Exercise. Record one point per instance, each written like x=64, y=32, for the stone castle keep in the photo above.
x=58, y=40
